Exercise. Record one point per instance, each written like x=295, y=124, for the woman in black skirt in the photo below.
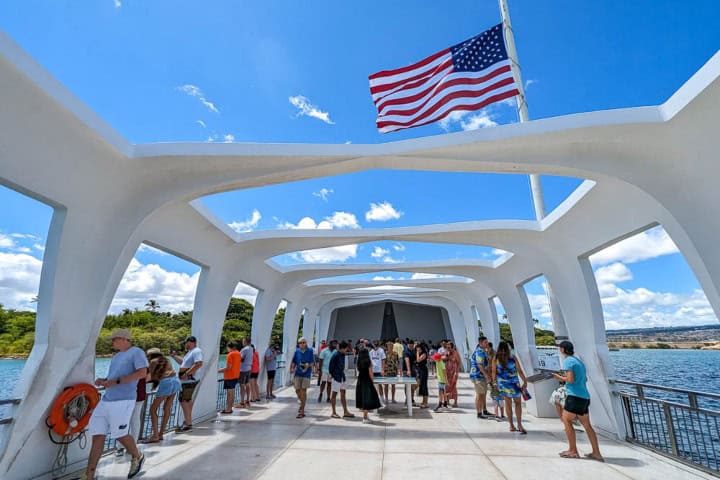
x=422, y=373
x=366, y=397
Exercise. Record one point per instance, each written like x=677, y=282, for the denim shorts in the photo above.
x=441, y=386
x=168, y=386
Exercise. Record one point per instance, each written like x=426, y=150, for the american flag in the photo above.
x=467, y=77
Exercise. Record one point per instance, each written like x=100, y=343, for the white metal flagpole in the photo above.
x=535, y=187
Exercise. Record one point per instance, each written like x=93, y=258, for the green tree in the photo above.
x=152, y=305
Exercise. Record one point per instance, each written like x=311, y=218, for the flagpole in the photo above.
x=535, y=186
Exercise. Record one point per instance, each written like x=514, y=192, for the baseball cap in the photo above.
x=191, y=338
x=121, y=333
x=154, y=351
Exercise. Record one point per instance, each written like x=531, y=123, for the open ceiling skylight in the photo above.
x=385, y=198
x=389, y=253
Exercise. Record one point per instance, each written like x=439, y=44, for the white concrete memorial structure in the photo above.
x=644, y=166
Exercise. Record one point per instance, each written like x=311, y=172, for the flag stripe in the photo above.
x=381, y=77
x=401, y=81
x=414, y=87
x=459, y=92
x=413, y=99
x=449, y=105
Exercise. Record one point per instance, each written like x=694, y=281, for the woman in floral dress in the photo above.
x=505, y=371
x=452, y=371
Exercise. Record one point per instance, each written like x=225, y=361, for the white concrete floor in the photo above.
x=268, y=442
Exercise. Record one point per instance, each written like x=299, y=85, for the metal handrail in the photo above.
x=685, y=432
x=715, y=396
x=9, y=401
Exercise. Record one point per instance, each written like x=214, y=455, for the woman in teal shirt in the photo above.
x=577, y=403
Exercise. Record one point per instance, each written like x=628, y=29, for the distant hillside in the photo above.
x=662, y=330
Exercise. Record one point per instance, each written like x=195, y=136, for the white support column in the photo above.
x=266, y=306
x=324, y=322
x=489, y=320
x=457, y=324
x=471, y=325
x=290, y=334
x=558, y=320
x=81, y=272
x=577, y=293
x=517, y=308
x=212, y=297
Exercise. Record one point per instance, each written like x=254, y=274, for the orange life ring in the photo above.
x=59, y=423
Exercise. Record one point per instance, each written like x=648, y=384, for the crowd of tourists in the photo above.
x=496, y=374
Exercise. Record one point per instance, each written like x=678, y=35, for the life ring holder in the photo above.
x=71, y=411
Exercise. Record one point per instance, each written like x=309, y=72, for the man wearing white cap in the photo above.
x=112, y=414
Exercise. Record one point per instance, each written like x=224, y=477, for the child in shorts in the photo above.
x=440, y=366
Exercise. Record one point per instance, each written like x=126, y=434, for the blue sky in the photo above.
x=283, y=72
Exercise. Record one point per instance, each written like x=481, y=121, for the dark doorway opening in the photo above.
x=389, y=326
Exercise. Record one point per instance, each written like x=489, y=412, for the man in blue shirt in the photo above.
x=336, y=368
x=577, y=403
x=112, y=414
x=480, y=376
x=301, y=366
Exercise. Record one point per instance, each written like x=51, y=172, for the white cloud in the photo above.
x=228, y=138
x=39, y=247
x=144, y=248
x=427, y=276
x=19, y=280
x=195, y=91
x=249, y=224
x=649, y=244
x=644, y=308
x=201, y=123
x=305, y=108
x=399, y=247
x=389, y=259
x=529, y=82
x=382, y=212
x=323, y=193
x=331, y=254
x=6, y=241
x=468, y=121
x=245, y=292
x=379, y=252
x=174, y=291
x=381, y=278
x=117, y=3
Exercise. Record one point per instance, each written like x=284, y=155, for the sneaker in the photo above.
x=437, y=409
x=486, y=413
x=119, y=452
x=481, y=415
x=136, y=466
x=184, y=428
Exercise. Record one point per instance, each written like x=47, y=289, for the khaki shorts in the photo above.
x=301, y=383
x=186, y=394
x=480, y=387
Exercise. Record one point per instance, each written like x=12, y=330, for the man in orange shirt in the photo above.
x=231, y=374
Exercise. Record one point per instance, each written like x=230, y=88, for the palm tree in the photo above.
x=152, y=305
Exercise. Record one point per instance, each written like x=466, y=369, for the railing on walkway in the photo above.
x=682, y=424
x=174, y=421
x=8, y=401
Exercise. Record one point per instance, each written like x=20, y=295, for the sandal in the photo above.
x=226, y=412
x=523, y=431
x=300, y=415
x=569, y=455
x=152, y=440
x=590, y=456
x=335, y=415
x=349, y=415
x=512, y=428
